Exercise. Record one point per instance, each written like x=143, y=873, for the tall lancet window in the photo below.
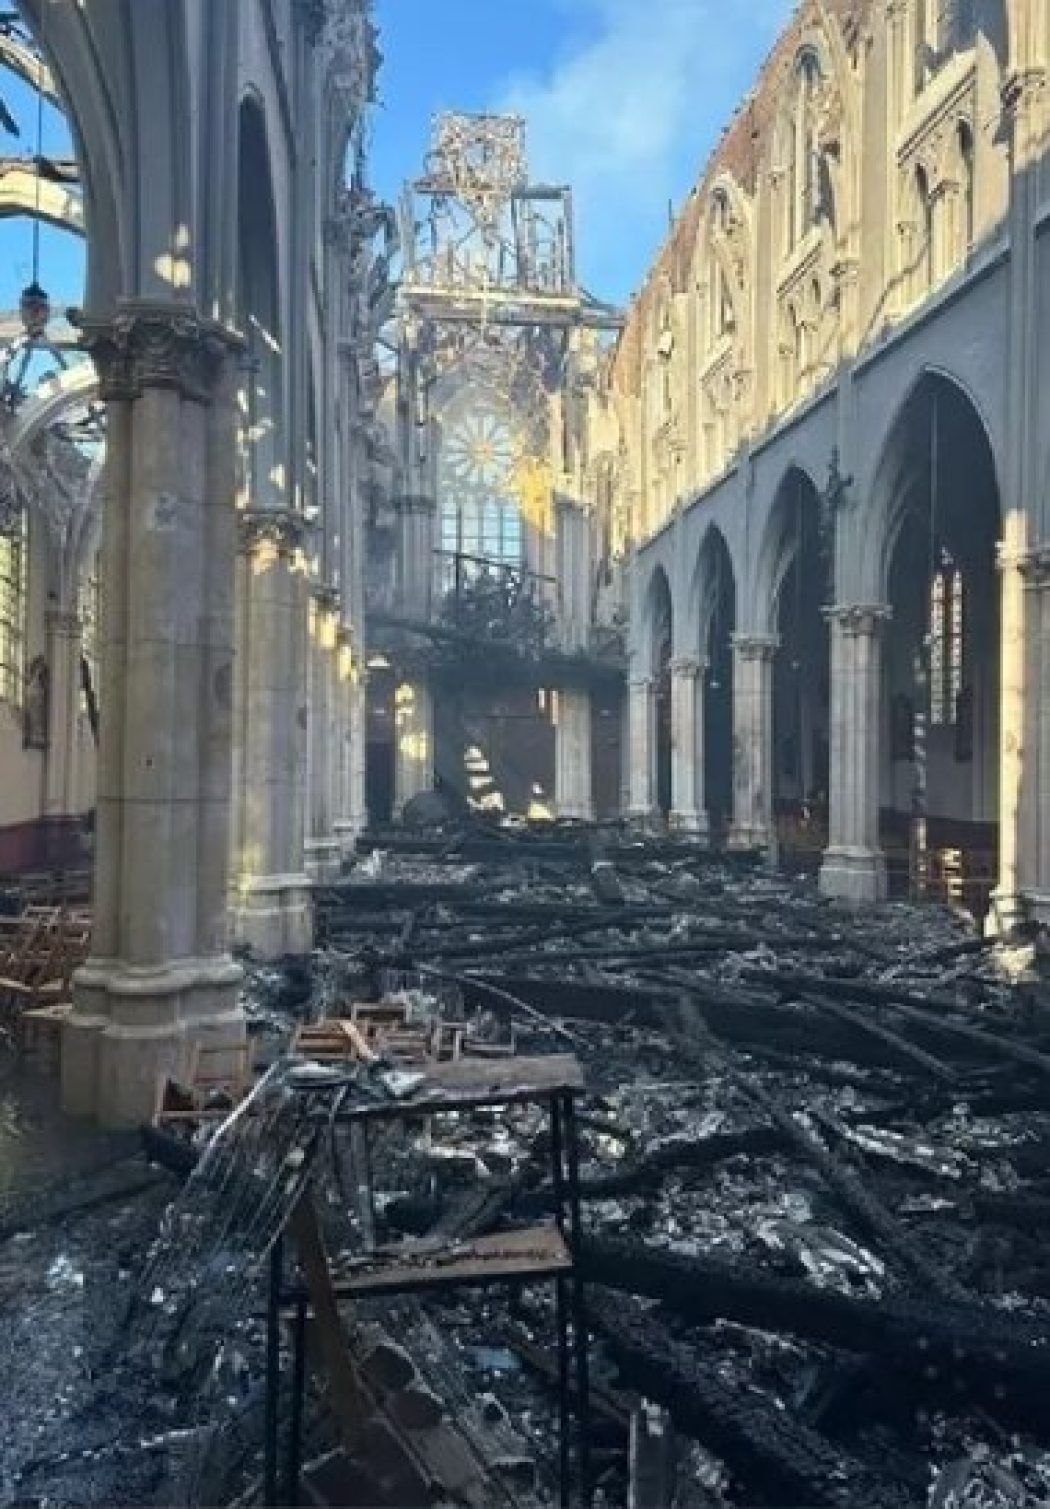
x=13, y=609
x=947, y=613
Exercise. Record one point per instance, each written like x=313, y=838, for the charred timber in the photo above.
x=770, y=1453
x=1004, y=1361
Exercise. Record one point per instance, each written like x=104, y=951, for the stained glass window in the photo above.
x=87, y=608
x=480, y=515
x=947, y=647
x=13, y=610
x=938, y=708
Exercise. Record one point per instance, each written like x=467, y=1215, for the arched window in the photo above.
x=725, y=319
x=947, y=609
x=721, y=214
x=806, y=185
x=923, y=259
x=798, y=335
x=88, y=613
x=965, y=145
x=13, y=553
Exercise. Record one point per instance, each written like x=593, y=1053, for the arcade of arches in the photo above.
x=292, y=533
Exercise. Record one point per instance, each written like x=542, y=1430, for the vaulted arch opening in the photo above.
x=717, y=626
x=941, y=663
x=661, y=629
x=801, y=678
x=258, y=290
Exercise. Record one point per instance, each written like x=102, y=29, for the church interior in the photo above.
x=524, y=815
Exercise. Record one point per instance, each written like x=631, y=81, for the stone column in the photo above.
x=322, y=846
x=63, y=659
x=352, y=721
x=753, y=825
x=415, y=555
x=854, y=869
x=413, y=742
x=271, y=891
x=688, y=809
x=641, y=717
x=1034, y=857
x=573, y=789
x=160, y=979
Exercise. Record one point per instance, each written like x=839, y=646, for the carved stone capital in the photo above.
x=687, y=667
x=156, y=345
x=326, y=597
x=756, y=647
x=1021, y=86
x=311, y=15
x=859, y=619
x=279, y=528
x=640, y=686
x=1035, y=568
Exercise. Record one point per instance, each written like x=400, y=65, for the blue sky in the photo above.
x=623, y=99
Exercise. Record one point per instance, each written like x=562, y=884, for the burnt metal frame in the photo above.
x=570, y=1310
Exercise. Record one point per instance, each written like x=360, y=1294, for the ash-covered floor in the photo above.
x=814, y=1162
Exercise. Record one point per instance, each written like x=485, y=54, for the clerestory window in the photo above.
x=13, y=552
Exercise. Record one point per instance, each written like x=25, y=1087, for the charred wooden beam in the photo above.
x=1001, y=1360
x=770, y=1453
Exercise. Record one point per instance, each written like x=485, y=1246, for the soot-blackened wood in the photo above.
x=1000, y=1360
x=771, y=1454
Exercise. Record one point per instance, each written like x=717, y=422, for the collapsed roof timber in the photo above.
x=808, y=1160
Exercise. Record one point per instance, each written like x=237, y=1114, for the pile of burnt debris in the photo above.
x=810, y=1150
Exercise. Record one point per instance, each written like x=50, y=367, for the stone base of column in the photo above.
x=577, y=812
x=131, y=1026
x=347, y=831
x=272, y=915
x=323, y=859
x=1007, y=908
x=744, y=837
x=644, y=817
x=692, y=823
x=856, y=876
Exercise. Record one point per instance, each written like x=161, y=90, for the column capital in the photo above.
x=151, y=344
x=640, y=684
x=280, y=528
x=756, y=646
x=325, y=597
x=1034, y=565
x=311, y=15
x=858, y=619
x=688, y=667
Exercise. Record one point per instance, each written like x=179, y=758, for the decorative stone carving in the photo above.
x=1035, y=567
x=689, y=667
x=351, y=44
x=311, y=15
x=325, y=596
x=154, y=345
x=857, y=619
x=280, y=528
x=756, y=647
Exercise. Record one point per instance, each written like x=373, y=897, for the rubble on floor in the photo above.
x=813, y=1167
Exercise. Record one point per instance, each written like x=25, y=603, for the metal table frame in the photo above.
x=558, y=1091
